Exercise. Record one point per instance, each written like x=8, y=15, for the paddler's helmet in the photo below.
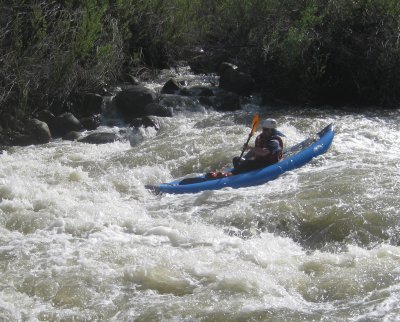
x=269, y=124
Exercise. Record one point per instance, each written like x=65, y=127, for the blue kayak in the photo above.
x=293, y=158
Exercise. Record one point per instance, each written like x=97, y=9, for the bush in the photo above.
x=327, y=51
x=321, y=51
x=50, y=50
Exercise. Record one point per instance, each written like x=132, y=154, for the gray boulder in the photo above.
x=63, y=124
x=92, y=122
x=100, y=138
x=35, y=132
x=131, y=101
x=22, y=140
x=146, y=122
x=40, y=130
x=155, y=109
x=170, y=87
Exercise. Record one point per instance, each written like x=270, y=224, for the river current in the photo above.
x=81, y=239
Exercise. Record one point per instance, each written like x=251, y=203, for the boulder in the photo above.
x=146, y=122
x=155, y=109
x=131, y=102
x=170, y=87
x=39, y=130
x=23, y=139
x=100, y=138
x=35, y=132
x=63, y=124
x=92, y=122
x=233, y=80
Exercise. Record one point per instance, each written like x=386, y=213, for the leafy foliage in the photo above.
x=302, y=50
x=52, y=49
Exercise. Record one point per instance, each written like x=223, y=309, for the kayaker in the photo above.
x=267, y=150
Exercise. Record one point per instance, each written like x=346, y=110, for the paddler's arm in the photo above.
x=271, y=148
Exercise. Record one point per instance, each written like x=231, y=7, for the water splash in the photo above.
x=81, y=238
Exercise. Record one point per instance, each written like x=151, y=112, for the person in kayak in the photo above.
x=267, y=150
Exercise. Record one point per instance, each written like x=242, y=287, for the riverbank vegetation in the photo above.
x=301, y=51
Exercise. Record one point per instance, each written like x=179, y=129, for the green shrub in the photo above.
x=327, y=51
x=52, y=50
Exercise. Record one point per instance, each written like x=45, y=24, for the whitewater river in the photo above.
x=81, y=239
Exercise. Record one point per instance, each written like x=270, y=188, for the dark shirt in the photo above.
x=272, y=144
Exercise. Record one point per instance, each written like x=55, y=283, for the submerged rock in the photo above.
x=100, y=138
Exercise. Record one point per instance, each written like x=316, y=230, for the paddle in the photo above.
x=254, y=126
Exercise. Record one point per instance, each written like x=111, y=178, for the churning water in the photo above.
x=81, y=239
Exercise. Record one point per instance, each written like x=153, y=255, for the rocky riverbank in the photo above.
x=132, y=105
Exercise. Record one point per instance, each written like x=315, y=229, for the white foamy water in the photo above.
x=81, y=239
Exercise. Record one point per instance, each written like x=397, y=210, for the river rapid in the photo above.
x=81, y=239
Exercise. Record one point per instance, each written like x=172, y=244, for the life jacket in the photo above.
x=273, y=157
